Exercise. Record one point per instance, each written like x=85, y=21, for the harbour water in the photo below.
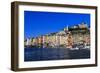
x=41, y=54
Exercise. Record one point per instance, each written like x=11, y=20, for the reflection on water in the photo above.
x=39, y=54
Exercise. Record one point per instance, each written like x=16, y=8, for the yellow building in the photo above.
x=61, y=38
x=33, y=41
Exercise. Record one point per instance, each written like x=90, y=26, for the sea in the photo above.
x=44, y=54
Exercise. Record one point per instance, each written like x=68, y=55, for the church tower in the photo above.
x=66, y=29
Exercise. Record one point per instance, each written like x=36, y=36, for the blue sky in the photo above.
x=41, y=23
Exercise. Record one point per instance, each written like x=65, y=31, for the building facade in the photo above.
x=66, y=38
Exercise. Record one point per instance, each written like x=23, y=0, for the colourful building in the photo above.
x=65, y=38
